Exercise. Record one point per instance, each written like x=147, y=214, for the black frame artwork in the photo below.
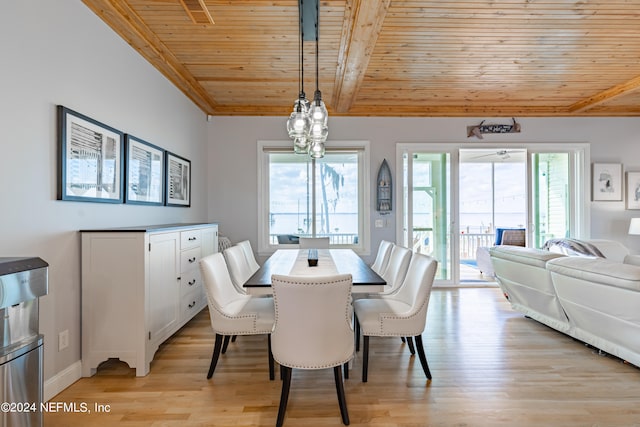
x=177, y=181
x=90, y=159
x=145, y=172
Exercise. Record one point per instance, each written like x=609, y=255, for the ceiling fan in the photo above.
x=502, y=154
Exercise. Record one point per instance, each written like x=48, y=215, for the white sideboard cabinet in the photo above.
x=139, y=286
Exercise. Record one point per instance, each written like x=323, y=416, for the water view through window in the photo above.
x=318, y=198
x=492, y=195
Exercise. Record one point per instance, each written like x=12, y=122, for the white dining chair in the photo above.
x=248, y=253
x=382, y=257
x=238, y=265
x=312, y=329
x=231, y=312
x=396, y=270
x=314, y=243
x=402, y=314
x=223, y=243
x=394, y=274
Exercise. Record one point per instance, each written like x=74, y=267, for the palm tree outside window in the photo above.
x=314, y=197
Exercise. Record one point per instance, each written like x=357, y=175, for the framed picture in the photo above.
x=607, y=182
x=633, y=190
x=178, y=181
x=145, y=172
x=90, y=159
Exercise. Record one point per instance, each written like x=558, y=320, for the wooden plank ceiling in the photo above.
x=411, y=58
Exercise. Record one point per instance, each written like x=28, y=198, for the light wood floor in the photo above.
x=491, y=367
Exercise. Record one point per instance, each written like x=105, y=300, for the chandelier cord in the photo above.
x=300, y=45
x=317, y=24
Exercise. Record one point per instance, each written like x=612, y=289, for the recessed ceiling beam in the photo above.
x=361, y=26
x=606, y=95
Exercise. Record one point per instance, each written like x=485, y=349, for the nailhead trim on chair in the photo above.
x=347, y=319
x=396, y=317
x=246, y=316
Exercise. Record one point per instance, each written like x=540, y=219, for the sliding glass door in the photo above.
x=453, y=199
x=550, y=196
x=492, y=196
x=426, y=225
x=558, y=189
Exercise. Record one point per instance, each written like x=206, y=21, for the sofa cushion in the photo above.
x=500, y=232
x=632, y=260
x=514, y=237
x=598, y=270
x=529, y=256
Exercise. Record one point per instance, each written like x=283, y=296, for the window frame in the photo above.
x=265, y=248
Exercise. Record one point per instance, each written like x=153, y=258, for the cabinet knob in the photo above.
x=192, y=259
x=193, y=304
x=192, y=239
x=191, y=283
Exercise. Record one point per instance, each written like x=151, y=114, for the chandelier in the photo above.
x=307, y=124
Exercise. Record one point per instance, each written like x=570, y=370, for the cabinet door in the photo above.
x=164, y=288
x=209, y=241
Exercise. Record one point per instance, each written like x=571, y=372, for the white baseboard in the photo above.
x=62, y=380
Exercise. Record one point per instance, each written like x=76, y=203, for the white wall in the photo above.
x=60, y=52
x=233, y=178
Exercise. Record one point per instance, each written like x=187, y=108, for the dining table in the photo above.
x=294, y=262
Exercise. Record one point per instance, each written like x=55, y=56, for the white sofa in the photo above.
x=526, y=283
x=504, y=236
x=595, y=300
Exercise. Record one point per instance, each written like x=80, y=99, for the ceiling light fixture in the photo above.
x=319, y=116
x=299, y=123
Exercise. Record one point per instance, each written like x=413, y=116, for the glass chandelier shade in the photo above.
x=319, y=110
x=299, y=123
x=307, y=125
x=316, y=150
x=319, y=118
x=301, y=145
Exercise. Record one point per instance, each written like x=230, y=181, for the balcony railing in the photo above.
x=334, y=238
x=470, y=242
x=422, y=240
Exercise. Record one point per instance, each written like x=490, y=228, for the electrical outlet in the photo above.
x=63, y=340
x=379, y=223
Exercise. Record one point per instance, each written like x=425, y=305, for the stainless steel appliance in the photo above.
x=22, y=281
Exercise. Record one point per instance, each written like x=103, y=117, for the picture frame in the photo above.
x=90, y=159
x=178, y=181
x=144, y=172
x=607, y=182
x=633, y=190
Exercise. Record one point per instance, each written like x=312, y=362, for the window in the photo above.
x=313, y=198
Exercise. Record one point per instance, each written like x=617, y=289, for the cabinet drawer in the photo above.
x=191, y=304
x=190, y=239
x=189, y=280
x=189, y=259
